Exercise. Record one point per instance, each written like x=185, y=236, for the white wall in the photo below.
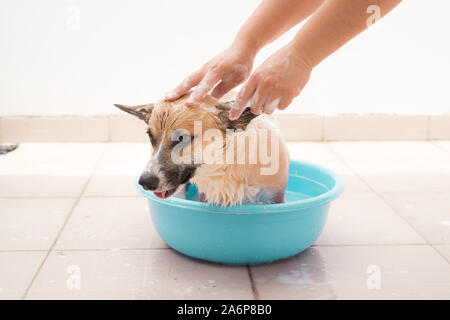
x=133, y=51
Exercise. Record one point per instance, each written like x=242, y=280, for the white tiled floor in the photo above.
x=70, y=215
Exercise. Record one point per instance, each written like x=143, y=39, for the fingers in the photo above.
x=185, y=86
x=276, y=101
x=232, y=79
x=271, y=104
x=223, y=87
x=254, y=95
x=206, y=78
x=279, y=99
x=243, y=98
x=207, y=83
x=260, y=97
x=273, y=100
x=285, y=102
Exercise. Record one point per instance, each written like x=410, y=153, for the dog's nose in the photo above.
x=149, y=181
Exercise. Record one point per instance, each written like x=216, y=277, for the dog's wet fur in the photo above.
x=171, y=125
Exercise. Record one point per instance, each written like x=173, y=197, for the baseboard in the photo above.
x=294, y=127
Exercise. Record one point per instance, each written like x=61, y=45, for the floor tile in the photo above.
x=16, y=272
x=140, y=274
x=352, y=183
x=427, y=212
x=113, y=184
x=117, y=172
x=48, y=170
x=444, y=250
x=356, y=272
x=365, y=232
x=394, y=175
x=444, y=144
x=41, y=185
x=83, y=154
x=310, y=151
x=126, y=153
x=110, y=223
x=31, y=224
x=388, y=150
x=364, y=218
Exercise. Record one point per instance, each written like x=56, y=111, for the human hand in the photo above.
x=231, y=67
x=274, y=84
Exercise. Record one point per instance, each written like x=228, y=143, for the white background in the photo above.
x=133, y=51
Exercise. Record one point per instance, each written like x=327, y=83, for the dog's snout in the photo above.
x=149, y=181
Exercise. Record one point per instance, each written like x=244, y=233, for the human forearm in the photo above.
x=333, y=25
x=283, y=75
x=271, y=19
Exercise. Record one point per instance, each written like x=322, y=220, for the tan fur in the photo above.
x=224, y=184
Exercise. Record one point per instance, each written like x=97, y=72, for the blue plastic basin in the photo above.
x=249, y=234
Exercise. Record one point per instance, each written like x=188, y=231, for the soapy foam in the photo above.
x=273, y=105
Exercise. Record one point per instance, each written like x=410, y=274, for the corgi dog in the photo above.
x=232, y=162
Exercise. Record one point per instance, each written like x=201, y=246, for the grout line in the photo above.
x=440, y=253
x=376, y=245
x=23, y=250
x=137, y=196
x=252, y=283
x=110, y=249
x=71, y=197
x=123, y=196
x=447, y=259
x=91, y=249
x=168, y=248
x=39, y=197
x=113, y=196
x=65, y=223
x=424, y=192
x=380, y=195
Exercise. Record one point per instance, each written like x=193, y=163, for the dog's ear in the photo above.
x=240, y=123
x=142, y=112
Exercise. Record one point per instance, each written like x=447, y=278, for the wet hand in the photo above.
x=274, y=84
x=223, y=73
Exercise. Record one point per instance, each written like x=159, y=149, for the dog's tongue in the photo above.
x=160, y=195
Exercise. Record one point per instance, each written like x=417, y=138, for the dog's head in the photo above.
x=173, y=129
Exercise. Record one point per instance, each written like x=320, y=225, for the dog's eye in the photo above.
x=183, y=140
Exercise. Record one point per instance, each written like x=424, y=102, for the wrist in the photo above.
x=247, y=46
x=303, y=55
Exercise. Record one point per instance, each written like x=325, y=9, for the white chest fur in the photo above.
x=226, y=186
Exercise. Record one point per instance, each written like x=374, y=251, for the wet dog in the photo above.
x=243, y=161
